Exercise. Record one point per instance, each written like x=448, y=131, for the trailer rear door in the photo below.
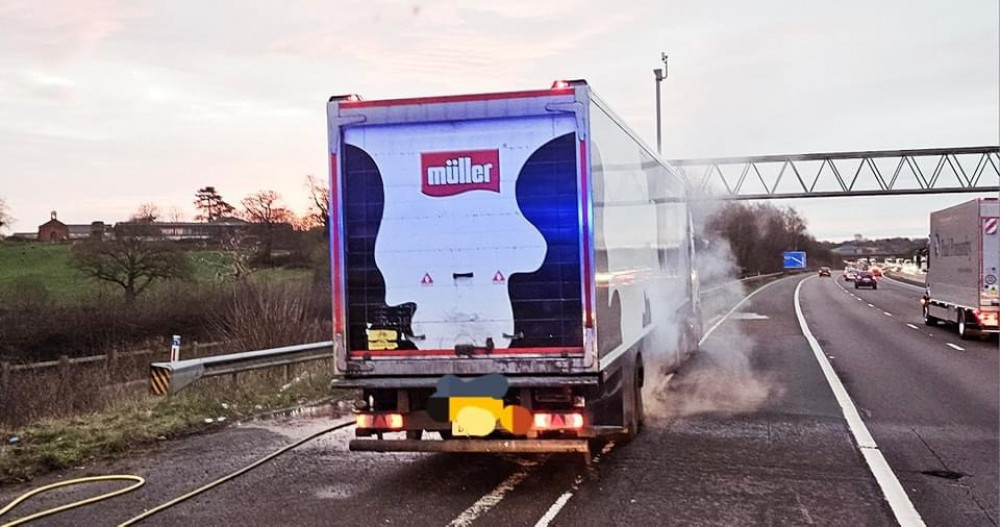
x=461, y=241
x=989, y=293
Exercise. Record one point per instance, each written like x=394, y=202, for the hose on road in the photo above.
x=141, y=481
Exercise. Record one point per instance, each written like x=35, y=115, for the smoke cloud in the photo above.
x=719, y=378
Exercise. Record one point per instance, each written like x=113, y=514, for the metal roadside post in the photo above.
x=111, y=365
x=4, y=375
x=175, y=348
x=658, y=75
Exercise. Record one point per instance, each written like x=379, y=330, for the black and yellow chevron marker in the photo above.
x=159, y=380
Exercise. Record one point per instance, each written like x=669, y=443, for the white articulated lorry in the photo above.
x=964, y=266
x=527, y=234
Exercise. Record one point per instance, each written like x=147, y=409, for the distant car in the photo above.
x=850, y=275
x=876, y=271
x=865, y=279
x=824, y=271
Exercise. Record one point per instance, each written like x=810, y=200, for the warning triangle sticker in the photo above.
x=427, y=280
x=498, y=278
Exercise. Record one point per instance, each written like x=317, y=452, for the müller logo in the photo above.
x=450, y=173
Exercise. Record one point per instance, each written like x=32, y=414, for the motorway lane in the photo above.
x=747, y=433
x=752, y=436
x=902, y=300
x=930, y=407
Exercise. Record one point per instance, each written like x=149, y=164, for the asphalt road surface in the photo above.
x=747, y=433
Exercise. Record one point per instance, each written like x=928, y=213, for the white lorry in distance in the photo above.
x=963, y=267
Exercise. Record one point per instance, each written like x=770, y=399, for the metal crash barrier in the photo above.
x=168, y=378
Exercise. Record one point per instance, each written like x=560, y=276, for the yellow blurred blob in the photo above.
x=474, y=421
x=456, y=404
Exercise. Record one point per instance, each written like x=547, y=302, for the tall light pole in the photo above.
x=659, y=74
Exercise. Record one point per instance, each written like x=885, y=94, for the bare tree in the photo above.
x=236, y=251
x=131, y=262
x=211, y=205
x=5, y=218
x=319, y=207
x=265, y=209
x=146, y=213
x=759, y=233
x=176, y=215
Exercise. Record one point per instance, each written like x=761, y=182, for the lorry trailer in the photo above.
x=962, y=270
x=529, y=234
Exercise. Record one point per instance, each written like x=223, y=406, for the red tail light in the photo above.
x=560, y=85
x=986, y=318
x=391, y=421
x=550, y=421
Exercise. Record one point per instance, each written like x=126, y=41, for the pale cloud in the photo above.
x=61, y=30
x=109, y=104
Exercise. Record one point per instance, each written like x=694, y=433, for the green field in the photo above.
x=49, y=264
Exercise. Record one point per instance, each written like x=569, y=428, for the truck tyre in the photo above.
x=928, y=319
x=635, y=421
x=964, y=331
x=640, y=409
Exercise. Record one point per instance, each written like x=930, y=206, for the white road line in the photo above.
x=490, y=500
x=911, y=326
x=870, y=305
x=565, y=496
x=950, y=345
x=886, y=313
x=902, y=508
x=704, y=337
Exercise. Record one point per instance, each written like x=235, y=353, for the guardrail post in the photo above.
x=4, y=374
x=111, y=365
x=287, y=370
x=196, y=349
x=63, y=368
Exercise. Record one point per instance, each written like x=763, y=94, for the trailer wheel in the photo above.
x=964, y=332
x=635, y=421
x=928, y=319
x=640, y=409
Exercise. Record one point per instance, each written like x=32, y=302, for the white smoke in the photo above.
x=719, y=378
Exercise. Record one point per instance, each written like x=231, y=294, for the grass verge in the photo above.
x=138, y=421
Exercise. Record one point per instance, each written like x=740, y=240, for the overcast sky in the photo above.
x=108, y=104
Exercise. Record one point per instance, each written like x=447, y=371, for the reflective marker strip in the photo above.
x=959, y=348
x=159, y=381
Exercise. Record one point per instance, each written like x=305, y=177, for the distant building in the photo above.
x=53, y=230
x=57, y=231
x=177, y=230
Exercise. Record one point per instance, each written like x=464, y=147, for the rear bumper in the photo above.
x=527, y=446
x=431, y=382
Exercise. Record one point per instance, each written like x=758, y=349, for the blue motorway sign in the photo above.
x=794, y=259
